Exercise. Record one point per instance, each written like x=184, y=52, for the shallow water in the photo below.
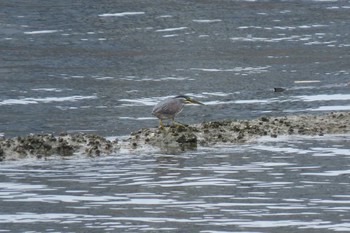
x=288, y=184
x=101, y=66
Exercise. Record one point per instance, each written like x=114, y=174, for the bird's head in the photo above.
x=187, y=100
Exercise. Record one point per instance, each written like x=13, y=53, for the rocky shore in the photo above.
x=172, y=139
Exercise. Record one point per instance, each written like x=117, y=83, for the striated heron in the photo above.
x=170, y=107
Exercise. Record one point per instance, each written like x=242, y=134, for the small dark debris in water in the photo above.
x=279, y=89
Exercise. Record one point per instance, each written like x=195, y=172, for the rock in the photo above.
x=168, y=140
x=44, y=146
x=172, y=140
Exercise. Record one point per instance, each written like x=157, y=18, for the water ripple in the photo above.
x=238, y=187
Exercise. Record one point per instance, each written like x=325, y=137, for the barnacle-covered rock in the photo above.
x=172, y=139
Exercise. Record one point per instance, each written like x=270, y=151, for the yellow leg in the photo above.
x=161, y=124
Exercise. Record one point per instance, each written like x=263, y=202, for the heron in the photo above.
x=170, y=107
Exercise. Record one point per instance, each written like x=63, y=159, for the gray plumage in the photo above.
x=170, y=107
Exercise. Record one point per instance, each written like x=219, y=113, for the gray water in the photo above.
x=298, y=184
x=100, y=66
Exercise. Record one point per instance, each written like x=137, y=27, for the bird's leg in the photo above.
x=161, y=125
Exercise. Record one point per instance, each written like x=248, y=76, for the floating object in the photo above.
x=307, y=81
x=279, y=89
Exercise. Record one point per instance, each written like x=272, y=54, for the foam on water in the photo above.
x=47, y=89
x=41, y=32
x=287, y=27
x=137, y=118
x=25, y=101
x=331, y=108
x=171, y=29
x=236, y=69
x=121, y=14
x=141, y=102
x=150, y=101
x=206, y=20
x=303, y=98
x=272, y=39
x=152, y=79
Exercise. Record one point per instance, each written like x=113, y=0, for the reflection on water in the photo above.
x=274, y=185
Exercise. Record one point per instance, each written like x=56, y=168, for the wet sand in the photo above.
x=172, y=139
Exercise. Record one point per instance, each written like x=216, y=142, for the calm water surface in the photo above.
x=100, y=66
x=298, y=184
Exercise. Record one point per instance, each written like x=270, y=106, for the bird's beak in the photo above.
x=191, y=101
